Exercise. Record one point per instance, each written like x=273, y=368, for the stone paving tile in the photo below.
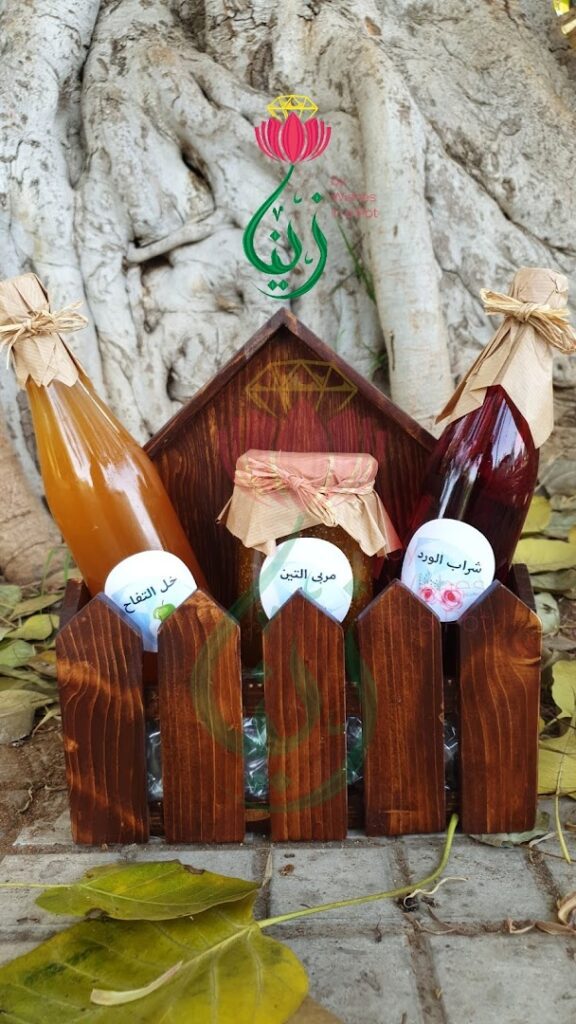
x=20, y=918
x=523, y=979
x=9, y=949
x=360, y=980
x=499, y=882
x=306, y=876
x=53, y=832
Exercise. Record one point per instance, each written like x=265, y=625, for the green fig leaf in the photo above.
x=37, y=627
x=15, y=653
x=216, y=967
x=10, y=595
x=153, y=891
x=35, y=604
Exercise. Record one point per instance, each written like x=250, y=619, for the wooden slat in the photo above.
x=499, y=704
x=305, y=707
x=75, y=597
x=200, y=702
x=520, y=584
x=401, y=663
x=100, y=680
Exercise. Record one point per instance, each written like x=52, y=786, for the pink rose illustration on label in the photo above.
x=451, y=597
x=292, y=135
x=448, y=565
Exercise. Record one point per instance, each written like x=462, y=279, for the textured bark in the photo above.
x=28, y=532
x=128, y=171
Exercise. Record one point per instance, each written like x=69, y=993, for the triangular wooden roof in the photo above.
x=282, y=321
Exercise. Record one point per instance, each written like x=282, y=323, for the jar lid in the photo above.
x=277, y=494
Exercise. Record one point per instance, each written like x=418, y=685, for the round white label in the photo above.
x=149, y=586
x=448, y=564
x=315, y=566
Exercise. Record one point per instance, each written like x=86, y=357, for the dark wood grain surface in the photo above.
x=500, y=640
x=100, y=681
x=401, y=663
x=284, y=390
x=200, y=703
x=305, y=704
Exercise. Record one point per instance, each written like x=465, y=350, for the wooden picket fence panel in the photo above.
x=198, y=696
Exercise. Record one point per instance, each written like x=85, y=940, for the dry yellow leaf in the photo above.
x=542, y=555
x=557, y=765
x=564, y=687
x=538, y=515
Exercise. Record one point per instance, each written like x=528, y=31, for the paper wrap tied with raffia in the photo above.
x=30, y=333
x=519, y=356
x=277, y=494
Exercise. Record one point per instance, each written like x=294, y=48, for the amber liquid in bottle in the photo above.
x=483, y=472
x=103, y=490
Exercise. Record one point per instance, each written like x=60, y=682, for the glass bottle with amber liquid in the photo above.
x=102, y=489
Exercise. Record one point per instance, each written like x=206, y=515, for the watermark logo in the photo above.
x=292, y=134
x=351, y=205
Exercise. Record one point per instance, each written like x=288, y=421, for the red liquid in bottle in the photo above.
x=483, y=471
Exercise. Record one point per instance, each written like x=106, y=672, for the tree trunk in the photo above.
x=129, y=170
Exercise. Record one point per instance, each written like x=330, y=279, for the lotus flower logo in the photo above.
x=293, y=141
x=288, y=137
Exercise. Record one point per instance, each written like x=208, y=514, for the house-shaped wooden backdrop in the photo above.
x=287, y=390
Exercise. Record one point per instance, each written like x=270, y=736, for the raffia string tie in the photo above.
x=312, y=495
x=39, y=322
x=552, y=324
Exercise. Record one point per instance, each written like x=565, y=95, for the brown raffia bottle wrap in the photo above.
x=30, y=332
x=536, y=323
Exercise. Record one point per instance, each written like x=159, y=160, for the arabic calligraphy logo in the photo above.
x=292, y=141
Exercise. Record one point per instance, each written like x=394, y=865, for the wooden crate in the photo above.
x=287, y=390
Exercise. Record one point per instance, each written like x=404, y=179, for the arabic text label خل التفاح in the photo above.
x=146, y=594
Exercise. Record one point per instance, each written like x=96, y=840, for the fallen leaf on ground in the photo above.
x=37, y=627
x=510, y=839
x=154, y=891
x=542, y=555
x=538, y=515
x=557, y=764
x=567, y=909
x=35, y=604
x=15, y=654
x=10, y=595
x=230, y=973
x=563, y=581
x=548, y=612
x=564, y=687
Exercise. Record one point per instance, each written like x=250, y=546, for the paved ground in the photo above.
x=449, y=960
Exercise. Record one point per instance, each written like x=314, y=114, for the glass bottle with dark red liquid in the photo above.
x=483, y=472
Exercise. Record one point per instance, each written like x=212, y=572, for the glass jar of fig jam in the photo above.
x=283, y=498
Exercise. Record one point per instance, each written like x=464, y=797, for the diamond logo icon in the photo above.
x=275, y=388
x=282, y=106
